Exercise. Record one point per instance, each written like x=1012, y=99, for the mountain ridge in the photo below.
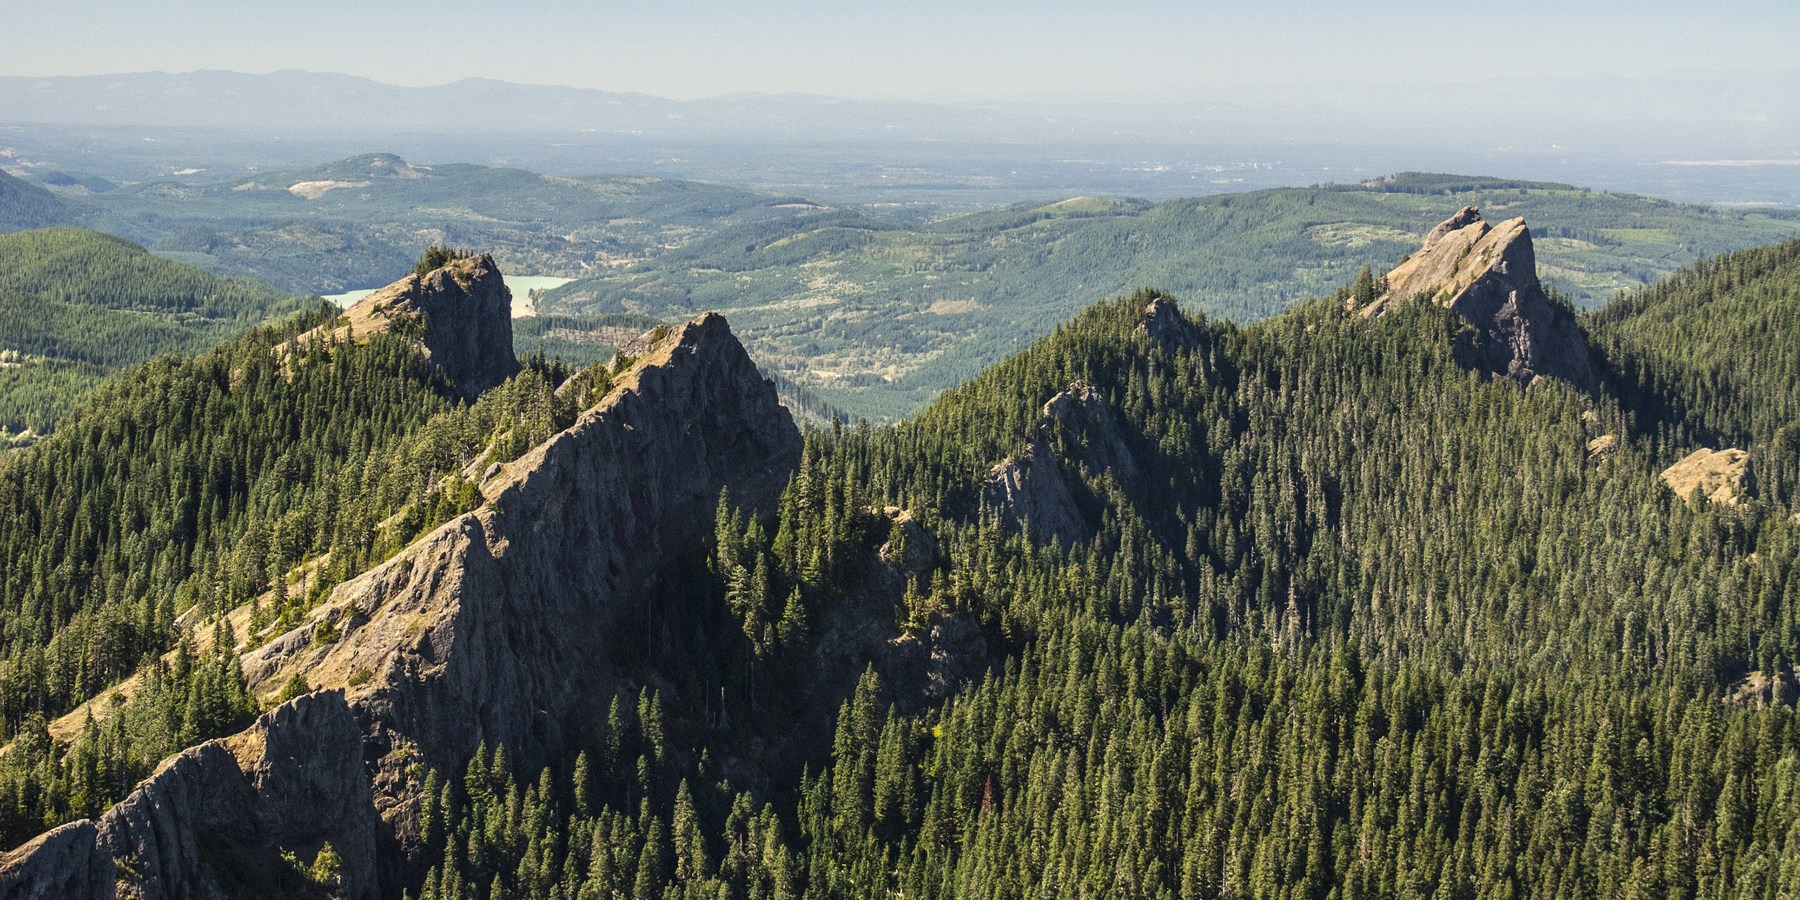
x=1298, y=543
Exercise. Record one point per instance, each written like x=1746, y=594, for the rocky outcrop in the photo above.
x=1719, y=476
x=461, y=314
x=492, y=628
x=1765, y=689
x=1093, y=430
x=235, y=817
x=1164, y=324
x=909, y=548
x=1031, y=492
x=1602, y=448
x=1488, y=275
x=489, y=628
x=65, y=862
x=1042, y=491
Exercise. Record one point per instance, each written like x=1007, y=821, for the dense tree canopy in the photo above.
x=1346, y=617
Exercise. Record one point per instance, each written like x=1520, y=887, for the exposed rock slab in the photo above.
x=1031, y=492
x=1720, y=476
x=1041, y=491
x=1602, y=448
x=1488, y=275
x=214, y=820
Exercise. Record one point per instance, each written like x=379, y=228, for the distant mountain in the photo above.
x=77, y=306
x=1686, y=110
x=353, y=223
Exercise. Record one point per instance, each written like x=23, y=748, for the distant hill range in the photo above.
x=879, y=318
x=25, y=205
x=1711, y=110
x=871, y=311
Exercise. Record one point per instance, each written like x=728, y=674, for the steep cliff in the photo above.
x=461, y=314
x=1042, y=490
x=488, y=629
x=239, y=817
x=1488, y=275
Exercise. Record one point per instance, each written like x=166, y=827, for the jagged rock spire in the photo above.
x=1488, y=275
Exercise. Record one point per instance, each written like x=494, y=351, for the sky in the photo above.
x=921, y=49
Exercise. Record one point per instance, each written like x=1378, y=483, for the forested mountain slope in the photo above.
x=25, y=205
x=77, y=306
x=1713, y=354
x=879, y=317
x=1161, y=606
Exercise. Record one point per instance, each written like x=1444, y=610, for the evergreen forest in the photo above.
x=78, y=306
x=1337, y=614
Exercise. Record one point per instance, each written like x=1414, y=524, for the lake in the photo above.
x=521, y=285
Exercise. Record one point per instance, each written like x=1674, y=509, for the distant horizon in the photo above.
x=1006, y=49
x=1096, y=98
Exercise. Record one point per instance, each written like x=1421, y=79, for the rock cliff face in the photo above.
x=489, y=628
x=217, y=819
x=1488, y=275
x=1041, y=490
x=486, y=629
x=460, y=313
x=1046, y=488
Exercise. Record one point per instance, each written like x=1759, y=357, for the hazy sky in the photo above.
x=925, y=49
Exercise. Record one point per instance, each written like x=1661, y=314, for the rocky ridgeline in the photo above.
x=460, y=313
x=216, y=819
x=488, y=629
x=1488, y=275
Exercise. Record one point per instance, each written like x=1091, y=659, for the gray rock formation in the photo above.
x=215, y=820
x=1488, y=275
x=1164, y=324
x=461, y=314
x=1041, y=491
x=1602, y=448
x=909, y=548
x=1092, y=428
x=490, y=628
x=1031, y=492
x=487, y=629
